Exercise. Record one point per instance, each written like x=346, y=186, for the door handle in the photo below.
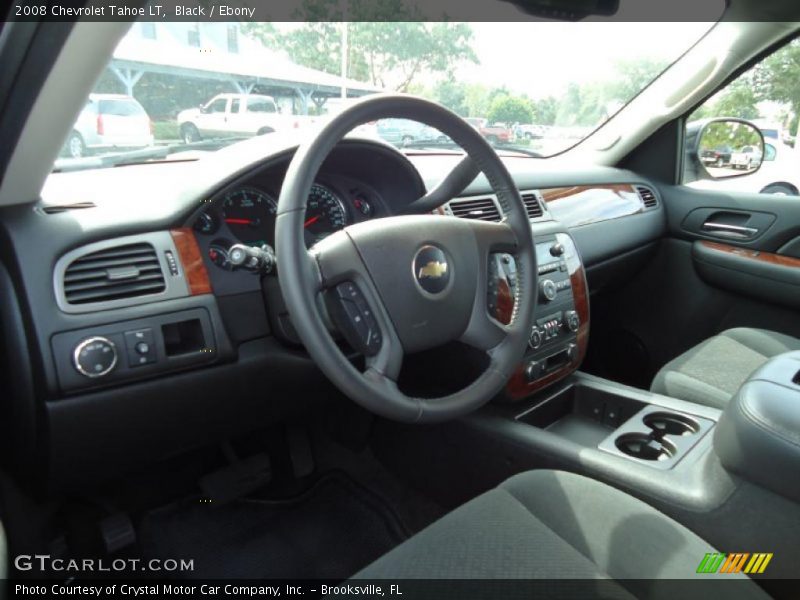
x=728, y=230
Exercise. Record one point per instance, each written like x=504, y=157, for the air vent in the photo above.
x=648, y=197
x=532, y=206
x=482, y=209
x=114, y=273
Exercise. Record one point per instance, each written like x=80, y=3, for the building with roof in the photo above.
x=220, y=53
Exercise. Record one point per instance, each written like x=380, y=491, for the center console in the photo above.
x=560, y=329
x=758, y=436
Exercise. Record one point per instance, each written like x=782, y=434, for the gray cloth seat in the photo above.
x=712, y=372
x=552, y=525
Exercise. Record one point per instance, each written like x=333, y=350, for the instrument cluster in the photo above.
x=246, y=215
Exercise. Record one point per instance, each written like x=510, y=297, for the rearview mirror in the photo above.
x=567, y=10
x=727, y=148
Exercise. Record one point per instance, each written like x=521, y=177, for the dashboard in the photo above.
x=198, y=350
x=246, y=214
x=355, y=184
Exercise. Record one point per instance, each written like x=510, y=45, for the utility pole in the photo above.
x=344, y=59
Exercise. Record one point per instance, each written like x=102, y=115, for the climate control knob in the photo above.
x=548, y=290
x=572, y=320
x=536, y=338
x=533, y=371
x=95, y=357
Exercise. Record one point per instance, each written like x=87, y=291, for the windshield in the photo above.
x=532, y=89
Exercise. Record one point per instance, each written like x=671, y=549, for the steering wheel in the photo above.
x=404, y=284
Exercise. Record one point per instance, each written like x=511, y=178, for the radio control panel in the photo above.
x=557, y=336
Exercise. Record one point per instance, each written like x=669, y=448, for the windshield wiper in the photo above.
x=141, y=155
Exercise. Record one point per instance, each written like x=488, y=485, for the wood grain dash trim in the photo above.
x=756, y=255
x=192, y=261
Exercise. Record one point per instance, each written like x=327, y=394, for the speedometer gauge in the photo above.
x=325, y=213
x=250, y=215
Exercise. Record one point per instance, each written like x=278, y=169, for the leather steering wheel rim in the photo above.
x=372, y=256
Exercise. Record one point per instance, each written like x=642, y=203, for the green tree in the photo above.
x=632, y=76
x=398, y=53
x=510, y=109
x=386, y=45
x=545, y=111
x=739, y=99
x=453, y=95
x=777, y=78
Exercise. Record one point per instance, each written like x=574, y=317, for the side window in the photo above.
x=217, y=106
x=235, y=106
x=768, y=96
x=260, y=105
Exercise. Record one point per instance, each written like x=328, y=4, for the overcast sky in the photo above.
x=541, y=58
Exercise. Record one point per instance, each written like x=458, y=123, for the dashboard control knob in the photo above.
x=548, y=290
x=557, y=250
x=572, y=320
x=95, y=357
x=536, y=338
x=572, y=352
x=533, y=370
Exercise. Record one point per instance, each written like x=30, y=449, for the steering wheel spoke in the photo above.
x=494, y=237
x=483, y=331
x=354, y=305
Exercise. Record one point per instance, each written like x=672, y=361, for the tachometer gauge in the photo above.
x=250, y=215
x=325, y=213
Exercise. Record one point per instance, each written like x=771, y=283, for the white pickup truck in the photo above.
x=234, y=115
x=748, y=158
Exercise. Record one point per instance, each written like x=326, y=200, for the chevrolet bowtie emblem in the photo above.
x=433, y=269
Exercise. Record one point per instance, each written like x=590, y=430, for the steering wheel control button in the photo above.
x=95, y=357
x=141, y=347
x=548, y=290
x=354, y=318
x=432, y=270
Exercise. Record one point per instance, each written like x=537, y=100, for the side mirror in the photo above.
x=202, y=108
x=725, y=147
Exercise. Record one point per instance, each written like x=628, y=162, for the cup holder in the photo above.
x=664, y=423
x=645, y=447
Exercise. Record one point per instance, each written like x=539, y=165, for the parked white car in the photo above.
x=234, y=115
x=109, y=122
x=779, y=174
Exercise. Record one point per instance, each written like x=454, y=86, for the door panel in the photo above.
x=776, y=218
x=761, y=275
